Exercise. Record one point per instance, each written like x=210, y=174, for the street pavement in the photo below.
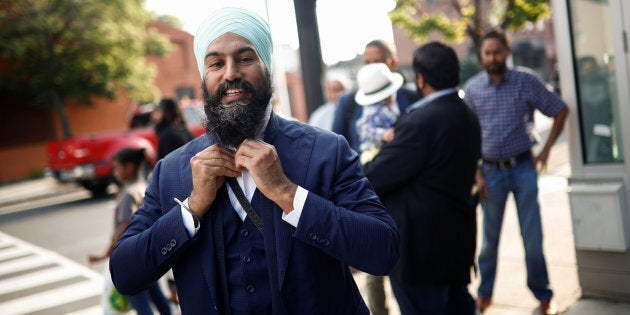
x=511, y=294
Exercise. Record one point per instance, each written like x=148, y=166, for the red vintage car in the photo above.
x=87, y=159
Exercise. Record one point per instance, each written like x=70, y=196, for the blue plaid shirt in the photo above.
x=506, y=111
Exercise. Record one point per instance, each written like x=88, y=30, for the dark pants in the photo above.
x=141, y=302
x=433, y=299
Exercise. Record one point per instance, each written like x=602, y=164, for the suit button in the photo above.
x=244, y=232
x=250, y=289
x=247, y=259
x=173, y=243
x=164, y=251
x=326, y=242
x=313, y=236
x=216, y=308
x=168, y=247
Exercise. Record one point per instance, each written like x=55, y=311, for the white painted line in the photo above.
x=16, y=265
x=61, y=260
x=36, y=279
x=64, y=269
x=51, y=298
x=94, y=310
x=13, y=252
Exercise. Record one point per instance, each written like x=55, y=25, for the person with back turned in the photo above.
x=425, y=176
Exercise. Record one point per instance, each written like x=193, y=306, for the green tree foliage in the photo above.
x=59, y=50
x=467, y=18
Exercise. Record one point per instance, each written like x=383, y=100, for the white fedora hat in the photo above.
x=376, y=83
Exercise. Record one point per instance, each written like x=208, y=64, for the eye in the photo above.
x=215, y=64
x=246, y=59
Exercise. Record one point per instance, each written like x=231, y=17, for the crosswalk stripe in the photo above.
x=51, y=298
x=36, y=289
x=13, y=266
x=4, y=242
x=94, y=310
x=34, y=279
x=13, y=252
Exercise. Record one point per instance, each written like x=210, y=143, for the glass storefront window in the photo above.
x=593, y=54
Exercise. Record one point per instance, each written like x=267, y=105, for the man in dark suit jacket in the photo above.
x=313, y=211
x=348, y=111
x=425, y=177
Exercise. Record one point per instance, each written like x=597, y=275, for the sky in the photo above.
x=345, y=26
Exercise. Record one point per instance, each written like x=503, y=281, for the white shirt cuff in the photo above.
x=189, y=222
x=299, y=200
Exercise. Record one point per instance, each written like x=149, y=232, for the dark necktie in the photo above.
x=247, y=206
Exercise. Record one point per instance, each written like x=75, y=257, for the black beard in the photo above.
x=497, y=69
x=234, y=122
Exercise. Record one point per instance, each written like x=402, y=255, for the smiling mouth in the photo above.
x=234, y=95
x=232, y=92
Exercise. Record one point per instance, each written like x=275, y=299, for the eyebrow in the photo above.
x=238, y=52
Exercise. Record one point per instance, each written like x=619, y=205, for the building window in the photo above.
x=185, y=92
x=594, y=62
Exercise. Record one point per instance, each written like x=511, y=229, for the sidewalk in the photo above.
x=11, y=195
x=511, y=294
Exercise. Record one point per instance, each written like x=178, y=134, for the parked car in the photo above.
x=86, y=159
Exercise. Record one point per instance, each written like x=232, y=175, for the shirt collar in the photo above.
x=506, y=76
x=429, y=98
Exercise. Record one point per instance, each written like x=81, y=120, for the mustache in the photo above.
x=236, y=84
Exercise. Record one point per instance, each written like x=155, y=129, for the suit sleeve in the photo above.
x=160, y=236
x=402, y=159
x=350, y=223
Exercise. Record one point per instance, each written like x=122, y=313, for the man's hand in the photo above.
x=263, y=163
x=482, y=186
x=209, y=169
x=540, y=161
x=388, y=135
x=92, y=259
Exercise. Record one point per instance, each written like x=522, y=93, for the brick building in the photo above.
x=23, y=137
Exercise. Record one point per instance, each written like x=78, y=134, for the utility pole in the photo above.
x=310, y=53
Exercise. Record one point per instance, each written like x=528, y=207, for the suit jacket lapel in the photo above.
x=216, y=221
x=212, y=248
x=294, y=148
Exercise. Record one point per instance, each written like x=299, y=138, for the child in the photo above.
x=127, y=170
x=377, y=90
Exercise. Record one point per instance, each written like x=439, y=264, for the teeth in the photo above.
x=233, y=91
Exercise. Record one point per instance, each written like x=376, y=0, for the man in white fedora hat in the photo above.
x=377, y=86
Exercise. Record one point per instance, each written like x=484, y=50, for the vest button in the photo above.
x=250, y=289
x=244, y=232
x=247, y=259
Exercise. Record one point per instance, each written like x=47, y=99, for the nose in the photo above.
x=232, y=70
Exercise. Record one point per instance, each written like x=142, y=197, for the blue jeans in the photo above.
x=433, y=299
x=522, y=181
x=141, y=302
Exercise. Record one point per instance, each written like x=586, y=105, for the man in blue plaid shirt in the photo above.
x=505, y=100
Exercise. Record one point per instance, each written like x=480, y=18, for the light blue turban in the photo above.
x=239, y=21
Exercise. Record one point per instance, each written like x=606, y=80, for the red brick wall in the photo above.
x=179, y=68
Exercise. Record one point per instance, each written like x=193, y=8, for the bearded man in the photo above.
x=273, y=211
x=505, y=99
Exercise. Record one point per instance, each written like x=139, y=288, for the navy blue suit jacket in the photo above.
x=343, y=223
